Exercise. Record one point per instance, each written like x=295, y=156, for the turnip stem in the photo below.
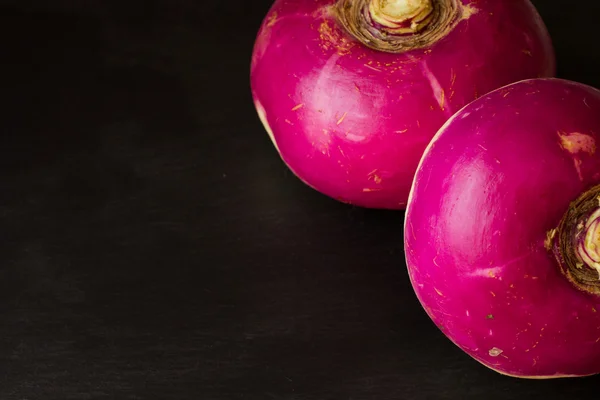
x=576, y=244
x=406, y=16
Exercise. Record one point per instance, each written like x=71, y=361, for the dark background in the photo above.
x=154, y=246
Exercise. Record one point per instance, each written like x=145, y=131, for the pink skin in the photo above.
x=494, y=181
x=352, y=122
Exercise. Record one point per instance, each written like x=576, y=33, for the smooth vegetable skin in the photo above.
x=351, y=92
x=502, y=232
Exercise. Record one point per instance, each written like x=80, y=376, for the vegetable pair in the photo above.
x=450, y=109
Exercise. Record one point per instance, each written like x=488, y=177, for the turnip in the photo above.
x=502, y=229
x=351, y=91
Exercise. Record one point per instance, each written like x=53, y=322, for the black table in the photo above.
x=154, y=246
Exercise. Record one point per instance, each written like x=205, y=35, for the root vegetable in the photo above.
x=502, y=229
x=351, y=91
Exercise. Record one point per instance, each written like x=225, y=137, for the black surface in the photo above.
x=153, y=245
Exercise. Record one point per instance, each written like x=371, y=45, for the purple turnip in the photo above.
x=351, y=91
x=502, y=229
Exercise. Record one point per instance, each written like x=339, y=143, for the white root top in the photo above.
x=393, y=12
